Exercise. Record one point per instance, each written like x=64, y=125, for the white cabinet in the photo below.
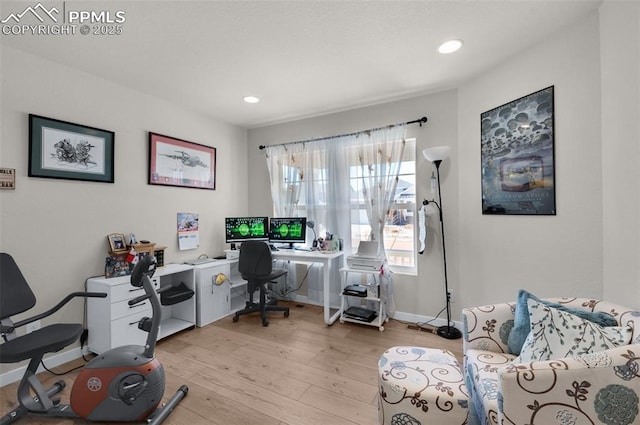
x=112, y=322
x=213, y=294
x=374, y=301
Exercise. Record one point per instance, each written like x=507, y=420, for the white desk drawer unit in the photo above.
x=112, y=322
x=213, y=299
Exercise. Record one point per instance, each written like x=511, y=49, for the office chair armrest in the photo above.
x=59, y=306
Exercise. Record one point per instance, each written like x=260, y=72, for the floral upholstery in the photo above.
x=601, y=387
x=420, y=386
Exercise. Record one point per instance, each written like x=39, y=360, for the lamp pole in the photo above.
x=449, y=332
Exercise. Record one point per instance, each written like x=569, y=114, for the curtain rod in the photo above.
x=418, y=121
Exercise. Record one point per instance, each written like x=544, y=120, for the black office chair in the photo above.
x=256, y=267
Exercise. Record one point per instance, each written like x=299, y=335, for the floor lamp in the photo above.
x=437, y=155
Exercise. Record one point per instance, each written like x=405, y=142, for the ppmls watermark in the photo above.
x=62, y=19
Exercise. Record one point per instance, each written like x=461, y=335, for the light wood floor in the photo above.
x=296, y=371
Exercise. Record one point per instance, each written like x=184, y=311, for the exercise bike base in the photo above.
x=163, y=412
x=21, y=411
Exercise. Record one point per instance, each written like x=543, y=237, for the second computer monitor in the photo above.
x=288, y=230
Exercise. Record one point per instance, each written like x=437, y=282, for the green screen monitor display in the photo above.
x=239, y=229
x=288, y=230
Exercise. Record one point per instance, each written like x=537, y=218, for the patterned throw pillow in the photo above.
x=522, y=326
x=556, y=334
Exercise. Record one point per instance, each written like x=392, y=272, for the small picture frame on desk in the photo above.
x=117, y=243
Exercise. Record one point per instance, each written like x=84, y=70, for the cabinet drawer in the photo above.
x=123, y=309
x=124, y=331
x=124, y=292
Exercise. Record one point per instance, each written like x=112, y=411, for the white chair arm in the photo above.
x=487, y=327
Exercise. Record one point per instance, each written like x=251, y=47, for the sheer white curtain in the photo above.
x=286, y=165
x=321, y=174
x=328, y=196
x=380, y=155
x=312, y=179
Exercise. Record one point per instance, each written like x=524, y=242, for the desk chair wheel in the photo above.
x=236, y=317
x=286, y=313
x=265, y=321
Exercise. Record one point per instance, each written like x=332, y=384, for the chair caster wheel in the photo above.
x=265, y=322
x=286, y=314
x=235, y=318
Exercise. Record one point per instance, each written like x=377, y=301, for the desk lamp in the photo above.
x=311, y=225
x=437, y=155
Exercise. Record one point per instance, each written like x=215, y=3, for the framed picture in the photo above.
x=117, y=242
x=517, y=150
x=63, y=150
x=176, y=162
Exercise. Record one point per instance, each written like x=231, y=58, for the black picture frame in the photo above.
x=517, y=156
x=64, y=150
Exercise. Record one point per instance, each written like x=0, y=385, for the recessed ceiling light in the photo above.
x=251, y=99
x=450, y=46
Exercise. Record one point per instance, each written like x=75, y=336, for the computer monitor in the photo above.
x=288, y=230
x=239, y=229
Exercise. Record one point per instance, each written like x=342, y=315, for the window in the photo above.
x=399, y=231
x=316, y=197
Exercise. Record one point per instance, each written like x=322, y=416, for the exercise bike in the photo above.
x=123, y=384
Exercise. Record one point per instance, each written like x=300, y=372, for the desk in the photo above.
x=326, y=259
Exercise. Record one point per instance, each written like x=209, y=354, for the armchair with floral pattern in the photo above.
x=598, y=387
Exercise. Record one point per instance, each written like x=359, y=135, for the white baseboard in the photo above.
x=50, y=361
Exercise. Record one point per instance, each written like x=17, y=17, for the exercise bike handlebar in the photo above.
x=146, y=267
x=141, y=277
x=59, y=306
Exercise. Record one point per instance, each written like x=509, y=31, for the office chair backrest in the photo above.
x=16, y=293
x=255, y=259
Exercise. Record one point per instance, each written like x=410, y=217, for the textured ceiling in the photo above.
x=301, y=58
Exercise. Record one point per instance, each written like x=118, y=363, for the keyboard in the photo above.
x=200, y=261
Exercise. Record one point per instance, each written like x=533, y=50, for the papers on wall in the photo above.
x=188, y=233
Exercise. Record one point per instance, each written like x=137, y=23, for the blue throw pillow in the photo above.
x=522, y=324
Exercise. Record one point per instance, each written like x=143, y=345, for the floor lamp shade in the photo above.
x=437, y=153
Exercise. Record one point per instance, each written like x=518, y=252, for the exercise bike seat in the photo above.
x=17, y=297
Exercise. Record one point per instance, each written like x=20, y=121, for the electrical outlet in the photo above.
x=450, y=297
x=33, y=326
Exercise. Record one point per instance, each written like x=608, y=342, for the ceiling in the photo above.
x=301, y=58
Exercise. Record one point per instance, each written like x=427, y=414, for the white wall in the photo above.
x=620, y=52
x=56, y=229
x=549, y=255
